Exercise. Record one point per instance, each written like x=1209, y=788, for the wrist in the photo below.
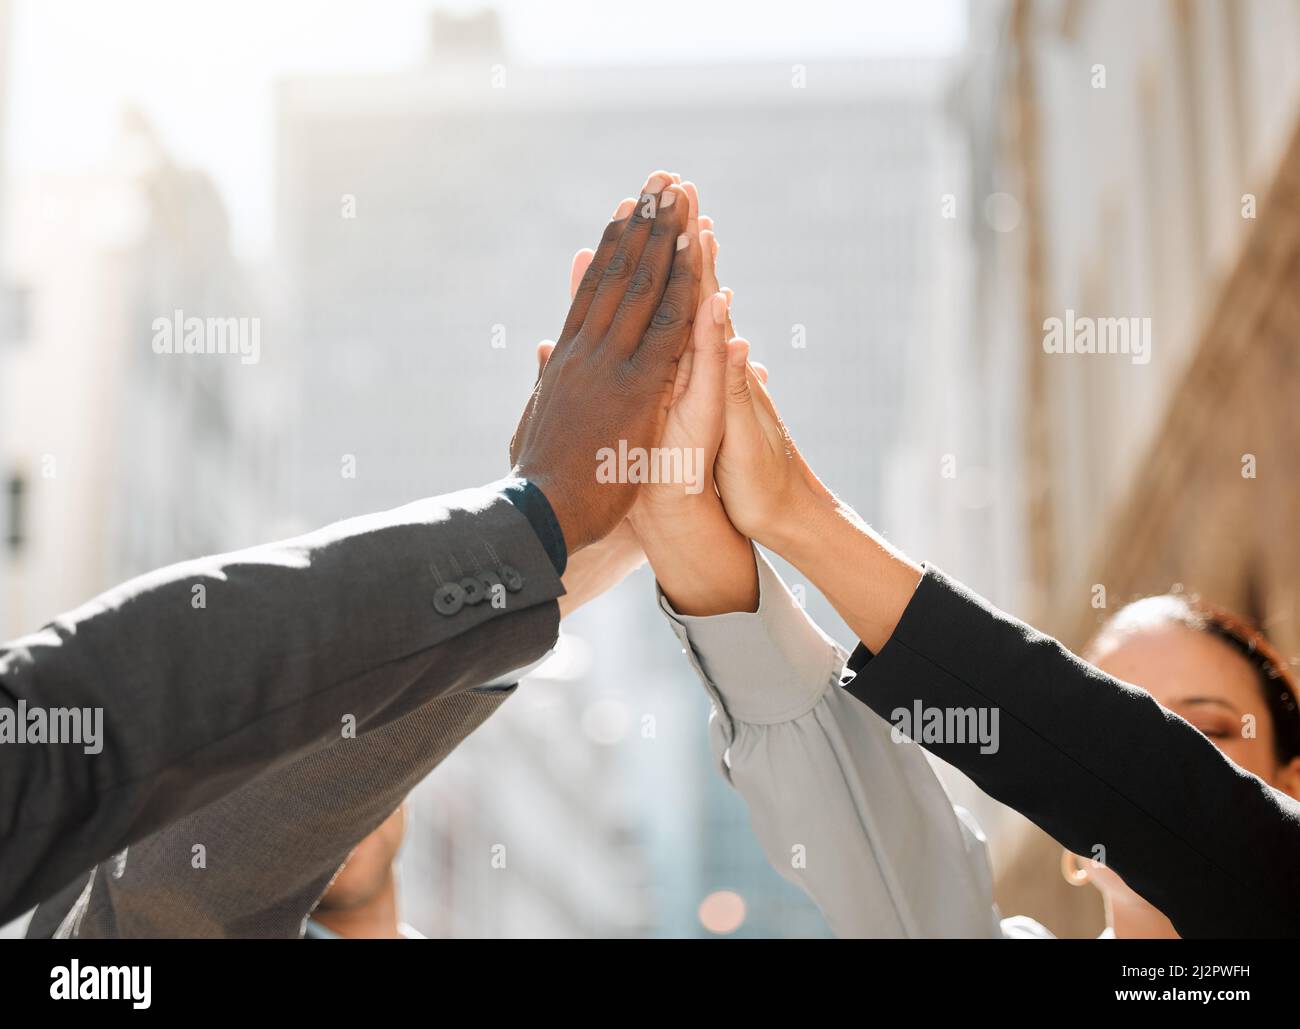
x=568, y=514
x=800, y=523
x=704, y=565
x=530, y=501
x=867, y=581
x=600, y=567
x=675, y=515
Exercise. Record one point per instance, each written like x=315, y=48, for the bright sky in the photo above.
x=203, y=70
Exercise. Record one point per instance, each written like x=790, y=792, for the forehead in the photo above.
x=1174, y=664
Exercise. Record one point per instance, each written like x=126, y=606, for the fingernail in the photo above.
x=668, y=199
x=719, y=309
x=683, y=241
x=716, y=245
x=656, y=182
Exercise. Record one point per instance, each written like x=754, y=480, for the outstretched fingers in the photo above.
x=669, y=328
x=584, y=287
x=646, y=289
x=619, y=270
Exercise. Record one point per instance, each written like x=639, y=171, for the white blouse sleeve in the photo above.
x=858, y=820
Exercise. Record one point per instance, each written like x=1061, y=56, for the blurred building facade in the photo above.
x=11, y=328
x=126, y=459
x=425, y=223
x=1126, y=161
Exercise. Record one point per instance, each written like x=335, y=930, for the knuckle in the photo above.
x=669, y=316
x=718, y=346
x=642, y=284
x=619, y=266
x=587, y=287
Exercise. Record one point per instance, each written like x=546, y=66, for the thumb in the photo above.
x=740, y=401
x=709, y=352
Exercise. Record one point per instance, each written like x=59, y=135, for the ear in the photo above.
x=1287, y=778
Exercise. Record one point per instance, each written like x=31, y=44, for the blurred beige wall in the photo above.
x=1115, y=151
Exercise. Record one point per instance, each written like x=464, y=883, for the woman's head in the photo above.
x=1217, y=673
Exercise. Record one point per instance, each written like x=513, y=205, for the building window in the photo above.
x=15, y=315
x=15, y=501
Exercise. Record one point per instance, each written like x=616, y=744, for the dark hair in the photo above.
x=1276, y=682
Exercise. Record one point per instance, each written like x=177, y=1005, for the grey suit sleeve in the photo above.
x=859, y=821
x=255, y=862
x=212, y=672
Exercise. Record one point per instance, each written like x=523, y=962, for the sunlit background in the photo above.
x=903, y=193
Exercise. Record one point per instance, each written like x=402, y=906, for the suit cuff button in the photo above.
x=448, y=599
x=514, y=582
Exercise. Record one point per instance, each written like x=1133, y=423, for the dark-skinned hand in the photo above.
x=610, y=377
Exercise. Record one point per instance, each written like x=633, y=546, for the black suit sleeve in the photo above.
x=1092, y=761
